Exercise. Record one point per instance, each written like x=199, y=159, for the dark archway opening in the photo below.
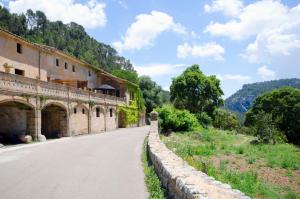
x=17, y=121
x=122, y=119
x=54, y=122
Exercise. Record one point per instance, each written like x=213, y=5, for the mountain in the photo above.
x=70, y=38
x=242, y=100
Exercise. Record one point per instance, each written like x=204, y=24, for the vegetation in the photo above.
x=152, y=181
x=225, y=120
x=173, y=119
x=261, y=171
x=153, y=94
x=194, y=91
x=282, y=107
x=131, y=76
x=70, y=38
x=241, y=101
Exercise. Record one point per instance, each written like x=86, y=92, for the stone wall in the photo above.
x=182, y=180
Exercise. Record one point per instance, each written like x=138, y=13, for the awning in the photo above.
x=105, y=87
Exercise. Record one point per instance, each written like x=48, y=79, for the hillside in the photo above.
x=70, y=38
x=242, y=100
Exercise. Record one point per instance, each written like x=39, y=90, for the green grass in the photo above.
x=153, y=183
x=198, y=149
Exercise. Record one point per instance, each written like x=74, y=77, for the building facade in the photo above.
x=48, y=94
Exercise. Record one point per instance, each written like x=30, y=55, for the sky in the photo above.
x=238, y=41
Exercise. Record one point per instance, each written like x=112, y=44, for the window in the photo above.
x=75, y=110
x=66, y=65
x=83, y=111
x=57, y=62
x=19, y=72
x=97, y=112
x=19, y=48
x=73, y=68
x=90, y=74
x=111, y=112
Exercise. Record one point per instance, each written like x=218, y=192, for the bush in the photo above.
x=204, y=119
x=225, y=120
x=176, y=120
x=265, y=130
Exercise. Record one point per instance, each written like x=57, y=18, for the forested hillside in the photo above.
x=242, y=100
x=70, y=38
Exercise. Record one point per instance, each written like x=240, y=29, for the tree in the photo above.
x=131, y=76
x=194, y=91
x=284, y=106
x=153, y=94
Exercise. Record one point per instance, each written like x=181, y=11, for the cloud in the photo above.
x=231, y=77
x=275, y=27
x=90, y=15
x=228, y=7
x=206, y=50
x=159, y=69
x=265, y=73
x=146, y=29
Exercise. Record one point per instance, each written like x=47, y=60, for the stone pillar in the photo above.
x=153, y=116
x=63, y=116
x=90, y=119
x=105, y=117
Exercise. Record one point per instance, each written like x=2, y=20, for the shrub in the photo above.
x=265, y=130
x=176, y=120
x=204, y=119
x=225, y=120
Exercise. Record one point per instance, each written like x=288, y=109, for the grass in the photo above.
x=153, y=183
x=230, y=158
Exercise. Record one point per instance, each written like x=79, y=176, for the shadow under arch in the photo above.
x=54, y=120
x=17, y=120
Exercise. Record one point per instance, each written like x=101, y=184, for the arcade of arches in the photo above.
x=54, y=119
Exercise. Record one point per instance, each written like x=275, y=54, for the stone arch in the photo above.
x=54, y=120
x=58, y=104
x=79, y=120
x=17, y=120
x=97, y=119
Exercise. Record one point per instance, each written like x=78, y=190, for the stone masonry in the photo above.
x=181, y=180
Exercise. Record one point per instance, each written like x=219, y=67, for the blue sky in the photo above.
x=239, y=41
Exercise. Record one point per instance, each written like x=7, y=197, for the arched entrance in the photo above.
x=54, y=121
x=121, y=119
x=17, y=120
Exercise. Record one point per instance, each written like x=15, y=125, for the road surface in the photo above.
x=101, y=166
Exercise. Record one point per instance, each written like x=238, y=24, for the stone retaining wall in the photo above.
x=182, y=180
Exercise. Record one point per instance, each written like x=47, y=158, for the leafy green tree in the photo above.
x=194, y=91
x=153, y=94
x=284, y=106
x=131, y=76
x=224, y=119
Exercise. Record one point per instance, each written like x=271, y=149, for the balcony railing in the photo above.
x=28, y=86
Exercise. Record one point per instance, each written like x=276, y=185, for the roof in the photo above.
x=49, y=49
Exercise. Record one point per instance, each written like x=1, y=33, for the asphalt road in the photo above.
x=102, y=166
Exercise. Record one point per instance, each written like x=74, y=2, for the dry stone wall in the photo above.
x=181, y=180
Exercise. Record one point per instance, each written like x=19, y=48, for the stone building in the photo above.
x=46, y=93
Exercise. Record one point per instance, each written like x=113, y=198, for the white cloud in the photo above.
x=231, y=77
x=146, y=29
x=89, y=15
x=265, y=73
x=276, y=29
x=159, y=69
x=206, y=50
x=228, y=7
